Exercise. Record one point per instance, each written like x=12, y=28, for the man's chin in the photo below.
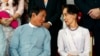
x=40, y=25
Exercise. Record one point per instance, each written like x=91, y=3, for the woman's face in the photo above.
x=68, y=18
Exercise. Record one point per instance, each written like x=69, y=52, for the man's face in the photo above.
x=39, y=18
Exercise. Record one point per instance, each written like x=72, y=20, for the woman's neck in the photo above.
x=73, y=26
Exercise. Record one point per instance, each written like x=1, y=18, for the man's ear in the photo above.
x=33, y=14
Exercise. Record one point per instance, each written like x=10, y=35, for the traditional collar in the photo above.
x=33, y=26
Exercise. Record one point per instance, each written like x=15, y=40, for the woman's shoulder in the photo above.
x=63, y=30
x=83, y=29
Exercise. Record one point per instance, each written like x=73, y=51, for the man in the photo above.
x=53, y=22
x=31, y=39
x=90, y=19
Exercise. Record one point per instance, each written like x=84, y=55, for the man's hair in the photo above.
x=36, y=10
x=72, y=9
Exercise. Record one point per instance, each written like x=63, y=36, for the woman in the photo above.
x=6, y=11
x=73, y=40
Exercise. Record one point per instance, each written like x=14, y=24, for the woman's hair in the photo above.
x=71, y=9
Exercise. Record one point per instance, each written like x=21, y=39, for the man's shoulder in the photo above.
x=45, y=29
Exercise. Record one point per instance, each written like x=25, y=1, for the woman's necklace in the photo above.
x=73, y=29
